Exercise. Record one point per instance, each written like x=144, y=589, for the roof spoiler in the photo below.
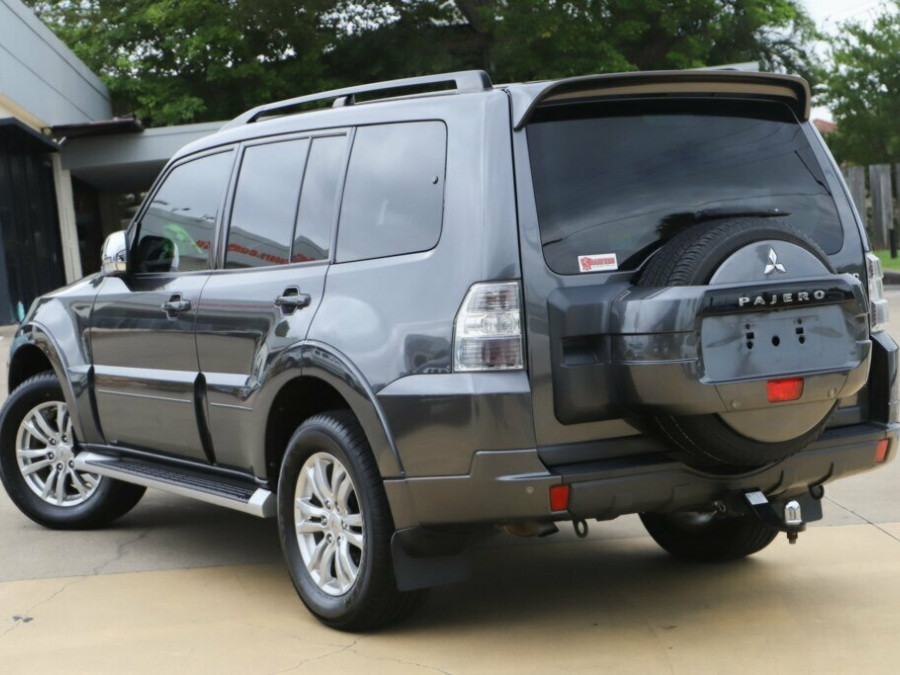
x=791, y=89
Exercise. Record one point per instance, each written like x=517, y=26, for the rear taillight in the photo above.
x=488, y=331
x=878, y=307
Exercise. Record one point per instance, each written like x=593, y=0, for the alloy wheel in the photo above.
x=45, y=452
x=329, y=523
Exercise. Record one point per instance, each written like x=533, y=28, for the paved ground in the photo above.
x=181, y=587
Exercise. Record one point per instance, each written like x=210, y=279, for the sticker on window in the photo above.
x=597, y=263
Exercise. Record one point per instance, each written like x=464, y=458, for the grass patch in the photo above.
x=887, y=262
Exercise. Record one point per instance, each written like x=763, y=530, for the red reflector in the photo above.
x=880, y=453
x=559, y=497
x=785, y=390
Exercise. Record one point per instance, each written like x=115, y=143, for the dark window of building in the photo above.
x=86, y=200
x=394, y=194
x=318, y=201
x=177, y=230
x=618, y=179
x=31, y=261
x=265, y=204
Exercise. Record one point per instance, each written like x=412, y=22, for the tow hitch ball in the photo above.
x=794, y=513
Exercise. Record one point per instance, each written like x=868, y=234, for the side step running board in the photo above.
x=231, y=493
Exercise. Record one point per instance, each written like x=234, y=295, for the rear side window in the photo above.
x=265, y=204
x=394, y=194
x=177, y=229
x=614, y=180
x=318, y=201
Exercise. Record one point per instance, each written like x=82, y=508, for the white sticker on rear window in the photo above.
x=597, y=263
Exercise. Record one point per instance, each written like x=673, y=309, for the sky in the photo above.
x=828, y=14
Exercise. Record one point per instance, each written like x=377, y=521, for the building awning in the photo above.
x=117, y=125
x=116, y=157
x=17, y=133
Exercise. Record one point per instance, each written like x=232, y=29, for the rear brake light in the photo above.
x=784, y=390
x=488, y=334
x=881, y=451
x=878, y=307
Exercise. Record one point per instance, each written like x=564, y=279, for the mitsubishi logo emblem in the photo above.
x=773, y=263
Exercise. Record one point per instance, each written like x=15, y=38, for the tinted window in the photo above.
x=177, y=229
x=318, y=201
x=394, y=194
x=265, y=204
x=620, y=178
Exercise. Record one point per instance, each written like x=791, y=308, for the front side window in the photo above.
x=394, y=194
x=177, y=229
x=614, y=180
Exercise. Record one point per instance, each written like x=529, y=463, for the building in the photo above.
x=68, y=170
x=824, y=126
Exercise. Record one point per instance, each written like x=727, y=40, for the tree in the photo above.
x=550, y=38
x=173, y=61
x=863, y=89
x=653, y=34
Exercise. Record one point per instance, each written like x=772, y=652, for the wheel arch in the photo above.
x=325, y=380
x=298, y=399
x=34, y=351
x=27, y=361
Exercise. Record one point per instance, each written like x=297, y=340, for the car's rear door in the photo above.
x=608, y=183
x=142, y=326
x=274, y=255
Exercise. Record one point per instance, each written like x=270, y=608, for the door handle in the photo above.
x=175, y=305
x=292, y=299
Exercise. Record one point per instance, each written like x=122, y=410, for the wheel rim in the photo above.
x=45, y=452
x=329, y=523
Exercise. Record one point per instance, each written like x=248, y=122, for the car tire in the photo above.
x=707, y=537
x=37, y=446
x=335, y=526
x=691, y=258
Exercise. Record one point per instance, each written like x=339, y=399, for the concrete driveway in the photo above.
x=181, y=587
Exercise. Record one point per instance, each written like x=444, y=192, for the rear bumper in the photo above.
x=510, y=486
x=606, y=492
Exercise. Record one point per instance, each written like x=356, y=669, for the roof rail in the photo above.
x=466, y=81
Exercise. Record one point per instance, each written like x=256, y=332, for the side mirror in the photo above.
x=114, y=254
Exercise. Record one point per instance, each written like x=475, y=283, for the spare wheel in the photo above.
x=787, y=340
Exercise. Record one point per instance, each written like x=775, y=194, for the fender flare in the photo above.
x=317, y=360
x=74, y=379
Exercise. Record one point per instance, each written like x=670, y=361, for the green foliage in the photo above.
x=538, y=39
x=173, y=61
x=547, y=38
x=863, y=89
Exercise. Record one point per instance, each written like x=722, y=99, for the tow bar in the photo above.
x=795, y=513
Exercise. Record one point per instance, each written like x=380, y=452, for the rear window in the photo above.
x=613, y=181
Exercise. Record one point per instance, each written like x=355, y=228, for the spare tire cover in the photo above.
x=741, y=250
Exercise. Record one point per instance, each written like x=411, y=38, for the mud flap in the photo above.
x=424, y=558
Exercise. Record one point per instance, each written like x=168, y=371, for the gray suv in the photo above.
x=398, y=316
